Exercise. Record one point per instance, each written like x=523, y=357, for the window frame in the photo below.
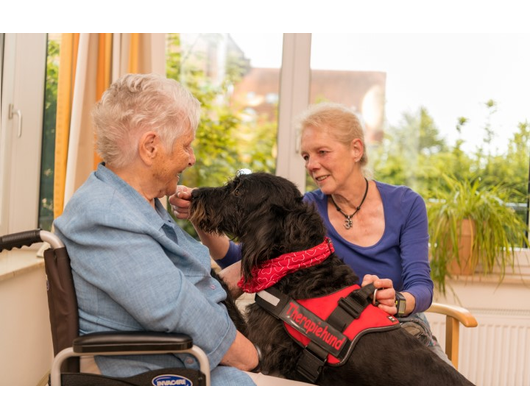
x=295, y=85
x=23, y=82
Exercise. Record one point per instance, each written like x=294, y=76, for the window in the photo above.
x=459, y=102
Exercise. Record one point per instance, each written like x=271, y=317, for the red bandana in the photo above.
x=271, y=271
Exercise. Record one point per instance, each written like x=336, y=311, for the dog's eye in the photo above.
x=236, y=191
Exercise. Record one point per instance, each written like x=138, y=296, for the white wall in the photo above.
x=25, y=338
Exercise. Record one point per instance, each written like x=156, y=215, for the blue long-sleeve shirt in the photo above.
x=134, y=269
x=402, y=254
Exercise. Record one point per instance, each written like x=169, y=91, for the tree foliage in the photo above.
x=414, y=154
x=48, y=138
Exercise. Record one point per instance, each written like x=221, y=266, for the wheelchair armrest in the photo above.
x=111, y=343
x=134, y=341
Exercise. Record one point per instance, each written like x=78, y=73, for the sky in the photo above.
x=451, y=75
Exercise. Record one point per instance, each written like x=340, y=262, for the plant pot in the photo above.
x=468, y=257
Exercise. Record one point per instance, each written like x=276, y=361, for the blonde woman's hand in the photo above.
x=386, y=295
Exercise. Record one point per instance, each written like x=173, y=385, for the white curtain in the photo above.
x=89, y=62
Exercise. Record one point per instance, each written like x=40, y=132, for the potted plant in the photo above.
x=470, y=224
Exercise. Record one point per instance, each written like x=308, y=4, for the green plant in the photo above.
x=498, y=230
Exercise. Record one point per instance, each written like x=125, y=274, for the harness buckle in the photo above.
x=311, y=362
x=352, y=306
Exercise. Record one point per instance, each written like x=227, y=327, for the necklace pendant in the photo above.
x=348, y=223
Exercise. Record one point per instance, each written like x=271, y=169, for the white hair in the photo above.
x=136, y=103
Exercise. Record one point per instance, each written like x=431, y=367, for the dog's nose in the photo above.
x=194, y=193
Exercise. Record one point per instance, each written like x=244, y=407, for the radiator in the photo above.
x=497, y=351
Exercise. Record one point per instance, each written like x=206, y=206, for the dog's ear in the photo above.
x=280, y=211
x=258, y=242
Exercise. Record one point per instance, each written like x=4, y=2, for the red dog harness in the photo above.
x=327, y=327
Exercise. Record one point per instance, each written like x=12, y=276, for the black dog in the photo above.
x=267, y=215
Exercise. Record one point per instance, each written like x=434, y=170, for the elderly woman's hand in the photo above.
x=231, y=276
x=386, y=295
x=181, y=201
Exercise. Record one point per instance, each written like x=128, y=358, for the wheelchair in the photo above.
x=69, y=347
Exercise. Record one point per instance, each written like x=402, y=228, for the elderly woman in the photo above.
x=379, y=230
x=134, y=269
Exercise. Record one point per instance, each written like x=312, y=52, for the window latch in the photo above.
x=12, y=113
